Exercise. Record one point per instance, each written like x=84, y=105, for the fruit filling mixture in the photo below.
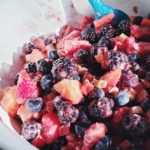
x=85, y=89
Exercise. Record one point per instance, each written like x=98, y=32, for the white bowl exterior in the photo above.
x=22, y=19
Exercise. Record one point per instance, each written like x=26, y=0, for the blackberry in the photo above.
x=101, y=108
x=31, y=67
x=117, y=59
x=64, y=68
x=135, y=67
x=124, y=27
x=146, y=62
x=104, y=144
x=82, y=55
x=94, y=50
x=128, y=80
x=137, y=20
x=134, y=126
x=34, y=104
x=104, y=42
x=108, y=31
x=67, y=113
x=96, y=93
x=46, y=83
x=89, y=34
x=28, y=48
x=138, y=144
x=53, y=55
x=31, y=129
x=43, y=66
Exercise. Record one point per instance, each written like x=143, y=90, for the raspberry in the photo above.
x=137, y=20
x=89, y=34
x=101, y=108
x=67, y=113
x=124, y=27
x=107, y=31
x=117, y=59
x=31, y=67
x=31, y=129
x=128, y=80
x=64, y=68
x=134, y=126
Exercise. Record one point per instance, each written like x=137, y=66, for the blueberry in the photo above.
x=103, y=42
x=146, y=105
x=31, y=67
x=31, y=129
x=82, y=55
x=46, y=83
x=34, y=104
x=133, y=57
x=96, y=93
x=43, y=66
x=104, y=144
x=148, y=75
x=53, y=55
x=122, y=98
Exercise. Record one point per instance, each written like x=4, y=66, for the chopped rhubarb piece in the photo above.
x=39, y=43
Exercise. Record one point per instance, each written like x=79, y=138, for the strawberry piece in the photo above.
x=143, y=48
x=39, y=44
x=26, y=87
x=34, y=56
x=64, y=129
x=70, y=90
x=138, y=32
x=111, y=78
x=118, y=117
x=68, y=29
x=9, y=102
x=51, y=125
x=38, y=141
x=145, y=22
x=103, y=21
x=87, y=87
x=86, y=21
x=72, y=46
x=93, y=134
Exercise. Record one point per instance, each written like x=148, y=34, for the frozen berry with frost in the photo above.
x=64, y=68
x=103, y=144
x=31, y=67
x=135, y=67
x=96, y=93
x=46, y=82
x=67, y=113
x=128, y=80
x=108, y=31
x=134, y=126
x=124, y=27
x=34, y=104
x=53, y=55
x=28, y=48
x=122, y=98
x=101, y=108
x=116, y=59
x=89, y=34
x=43, y=66
x=31, y=129
x=146, y=105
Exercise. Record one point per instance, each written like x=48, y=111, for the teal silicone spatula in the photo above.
x=102, y=9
